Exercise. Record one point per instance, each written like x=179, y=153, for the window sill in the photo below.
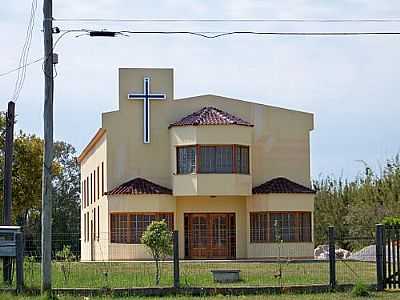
x=179, y=174
x=121, y=243
x=284, y=242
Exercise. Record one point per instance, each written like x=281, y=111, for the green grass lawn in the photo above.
x=330, y=296
x=196, y=274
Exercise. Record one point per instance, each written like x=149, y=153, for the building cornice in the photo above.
x=93, y=142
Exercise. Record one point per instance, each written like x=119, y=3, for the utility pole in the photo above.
x=7, y=187
x=48, y=145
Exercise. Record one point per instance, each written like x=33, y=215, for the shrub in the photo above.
x=158, y=239
x=392, y=220
x=360, y=290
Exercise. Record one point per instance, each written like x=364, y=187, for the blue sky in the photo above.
x=349, y=83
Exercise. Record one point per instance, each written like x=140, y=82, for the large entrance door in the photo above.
x=210, y=235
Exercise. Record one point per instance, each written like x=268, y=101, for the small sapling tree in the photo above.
x=66, y=258
x=158, y=239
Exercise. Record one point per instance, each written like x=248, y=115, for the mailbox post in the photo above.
x=12, y=245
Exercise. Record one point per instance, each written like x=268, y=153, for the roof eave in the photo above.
x=93, y=142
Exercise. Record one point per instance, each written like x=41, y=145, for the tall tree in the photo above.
x=66, y=197
x=27, y=176
x=27, y=181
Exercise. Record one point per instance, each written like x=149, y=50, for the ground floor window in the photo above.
x=128, y=228
x=275, y=226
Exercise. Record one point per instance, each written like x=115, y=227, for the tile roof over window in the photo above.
x=139, y=186
x=282, y=185
x=210, y=116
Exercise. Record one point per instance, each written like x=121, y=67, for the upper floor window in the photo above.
x=213, y=159
x=186, y=157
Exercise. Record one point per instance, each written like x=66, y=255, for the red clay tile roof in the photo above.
x=210, y=116
x=139, y=186
x=282, y=185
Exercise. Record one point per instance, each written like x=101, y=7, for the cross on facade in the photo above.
x=146, y=96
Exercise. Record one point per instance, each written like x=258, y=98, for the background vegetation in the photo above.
x=27, y=186
x=355, y=206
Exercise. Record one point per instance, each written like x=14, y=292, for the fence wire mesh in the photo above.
x=356, y=263
x=73, y=270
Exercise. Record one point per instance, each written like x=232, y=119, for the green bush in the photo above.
x=392, y=220
x=360, y=290
x=158, y=239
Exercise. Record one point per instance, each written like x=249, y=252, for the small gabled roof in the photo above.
x=282, y=185
x=210, y=116
x=139, y=186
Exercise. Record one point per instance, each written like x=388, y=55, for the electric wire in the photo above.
x=23, y=61
x=207, y=35
x=42, y=58
x=16, y=69
x=64, y=33
x=216, y=34
x=375, y=20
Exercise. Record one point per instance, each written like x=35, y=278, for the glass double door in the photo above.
x=210, y=235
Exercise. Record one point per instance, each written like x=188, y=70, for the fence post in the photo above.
x=19, y=261
x=380, y=284
x=332, y=257
x=176, y=259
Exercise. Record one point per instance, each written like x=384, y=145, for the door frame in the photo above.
x=231, y=238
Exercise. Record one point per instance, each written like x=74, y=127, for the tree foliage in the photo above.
x=354, y=207
x=158, y=239
x=27, y=186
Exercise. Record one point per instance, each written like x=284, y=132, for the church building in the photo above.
x=232, y=176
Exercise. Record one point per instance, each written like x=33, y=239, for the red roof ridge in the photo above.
x=139, y=186
x=281, y=185
x=210, y=115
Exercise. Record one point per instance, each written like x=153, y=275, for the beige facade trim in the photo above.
x=97, y=137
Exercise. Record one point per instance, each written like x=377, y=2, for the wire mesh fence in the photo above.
x=114, y=266
x=358, y=262
x=277, y=273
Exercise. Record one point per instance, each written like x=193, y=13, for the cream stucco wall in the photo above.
x=281, y=202
x=287, y=250
x=97, y=249
x=209, y=135
x=212, y=185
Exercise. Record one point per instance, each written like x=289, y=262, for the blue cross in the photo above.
x=146, y=96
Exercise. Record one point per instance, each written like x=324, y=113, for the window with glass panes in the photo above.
x=275, y=226
x=186, y=158
x=242, y=159
x=213, y=159
x=128, y=228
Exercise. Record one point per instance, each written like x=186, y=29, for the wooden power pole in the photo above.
x=48, y=145
x=7, y=187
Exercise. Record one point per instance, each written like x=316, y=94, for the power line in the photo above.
x=393, y=20
x=208, y=35
x=16, y=69
x=65, y=32
x=23, y=61
x=217, y=34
